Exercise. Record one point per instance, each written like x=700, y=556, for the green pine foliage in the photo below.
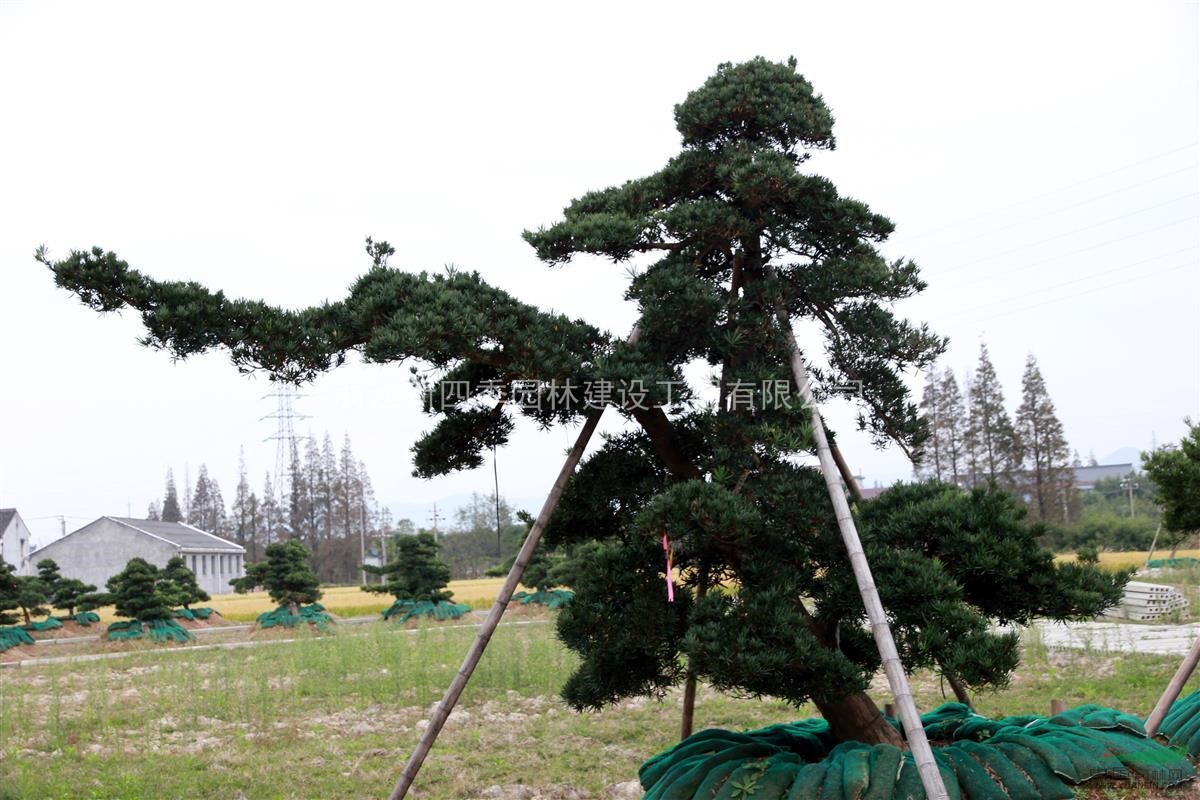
x=33, y=597
x=171, y=511
x=993, y=449
x=416, y=573
x=66, y=594
x=1049, y=479
x=179, y=583
x=8, y=594
x=285, y=574
x=139, y=592
x=1175, y=472
x=733, y=239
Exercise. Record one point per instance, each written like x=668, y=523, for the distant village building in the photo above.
x=1086, y=477
x=14, y=539
x=101, y=549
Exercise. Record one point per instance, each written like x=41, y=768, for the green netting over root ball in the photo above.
x=552, y=598
x=1015, y=757
x=12, y=637
x=84, y=618
x=160, y=630
x=48, y=624
x=204, y=612
x=283, y=617
x=404, y=610
x=1181, y=726
x=1173, y=563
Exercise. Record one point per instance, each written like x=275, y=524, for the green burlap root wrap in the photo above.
x=314, y=614
x=1173, y=563
x=404, y=610
x=85, y=618
x=48, y=624
x=551, y=598
x=203, y=612
x=1181, y=726
x=1014, y=758
x=160, y=630
x=11, y=637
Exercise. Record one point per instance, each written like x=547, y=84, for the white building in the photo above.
x=101, y=549
x=14, y=539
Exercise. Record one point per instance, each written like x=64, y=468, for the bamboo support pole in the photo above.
x=475, y=653
x=1173, y=689
x=931, y=778
x=455, y=690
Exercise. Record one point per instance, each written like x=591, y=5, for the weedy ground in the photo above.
x=335, y=716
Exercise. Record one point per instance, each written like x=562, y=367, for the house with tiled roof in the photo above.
x=101, y=549
x=14, y=539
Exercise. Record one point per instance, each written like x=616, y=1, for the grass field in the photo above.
x=1133, y=558
x=335, y=716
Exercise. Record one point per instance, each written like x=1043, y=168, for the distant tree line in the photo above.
x=329, y=505
x=974, y=441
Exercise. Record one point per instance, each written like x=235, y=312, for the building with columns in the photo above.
x=101, y=549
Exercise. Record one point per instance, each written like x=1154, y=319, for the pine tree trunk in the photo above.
x=960, y=688
x=855, y=717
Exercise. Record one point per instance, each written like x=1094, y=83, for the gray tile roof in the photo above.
x=181, y=535
x=6, y=515
x=1089, y=475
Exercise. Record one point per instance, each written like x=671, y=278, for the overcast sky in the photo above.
x=1039, y=160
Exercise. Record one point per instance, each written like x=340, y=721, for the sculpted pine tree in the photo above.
x=285, y=574
x=416, y=573
x=733, y=236
x=66, y=594
x=8, y=594
x=1049, y=477
x=179, y=584
x=138, y=592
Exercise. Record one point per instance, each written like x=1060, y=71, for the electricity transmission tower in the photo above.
x=286, y=447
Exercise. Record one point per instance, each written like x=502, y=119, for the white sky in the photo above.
x=1040, y=161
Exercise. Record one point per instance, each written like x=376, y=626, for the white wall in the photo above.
x=14, y=545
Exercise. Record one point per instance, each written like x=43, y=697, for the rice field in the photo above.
x=345, y=601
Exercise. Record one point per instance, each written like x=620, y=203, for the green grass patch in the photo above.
x=336, y=715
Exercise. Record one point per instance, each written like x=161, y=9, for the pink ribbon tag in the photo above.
x=670, y=580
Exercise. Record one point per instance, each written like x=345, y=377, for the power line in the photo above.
x=1059, y=210
x=1093, y=275
x=1087, y=291
x=1052, y=192
x=1070, y=232
x=1047, y=260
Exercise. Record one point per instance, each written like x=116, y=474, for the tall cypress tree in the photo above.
x=1049, y=477
x=933, y=454
x=243, y=510
x=170, y=505
x=740, y=242
x=991, y=437
x=952, y=430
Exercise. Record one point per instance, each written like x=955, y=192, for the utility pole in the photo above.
x=436, y=535
x=1129, y=485
x=62, y=525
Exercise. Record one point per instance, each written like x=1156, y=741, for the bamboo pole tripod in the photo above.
x=931, y=778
